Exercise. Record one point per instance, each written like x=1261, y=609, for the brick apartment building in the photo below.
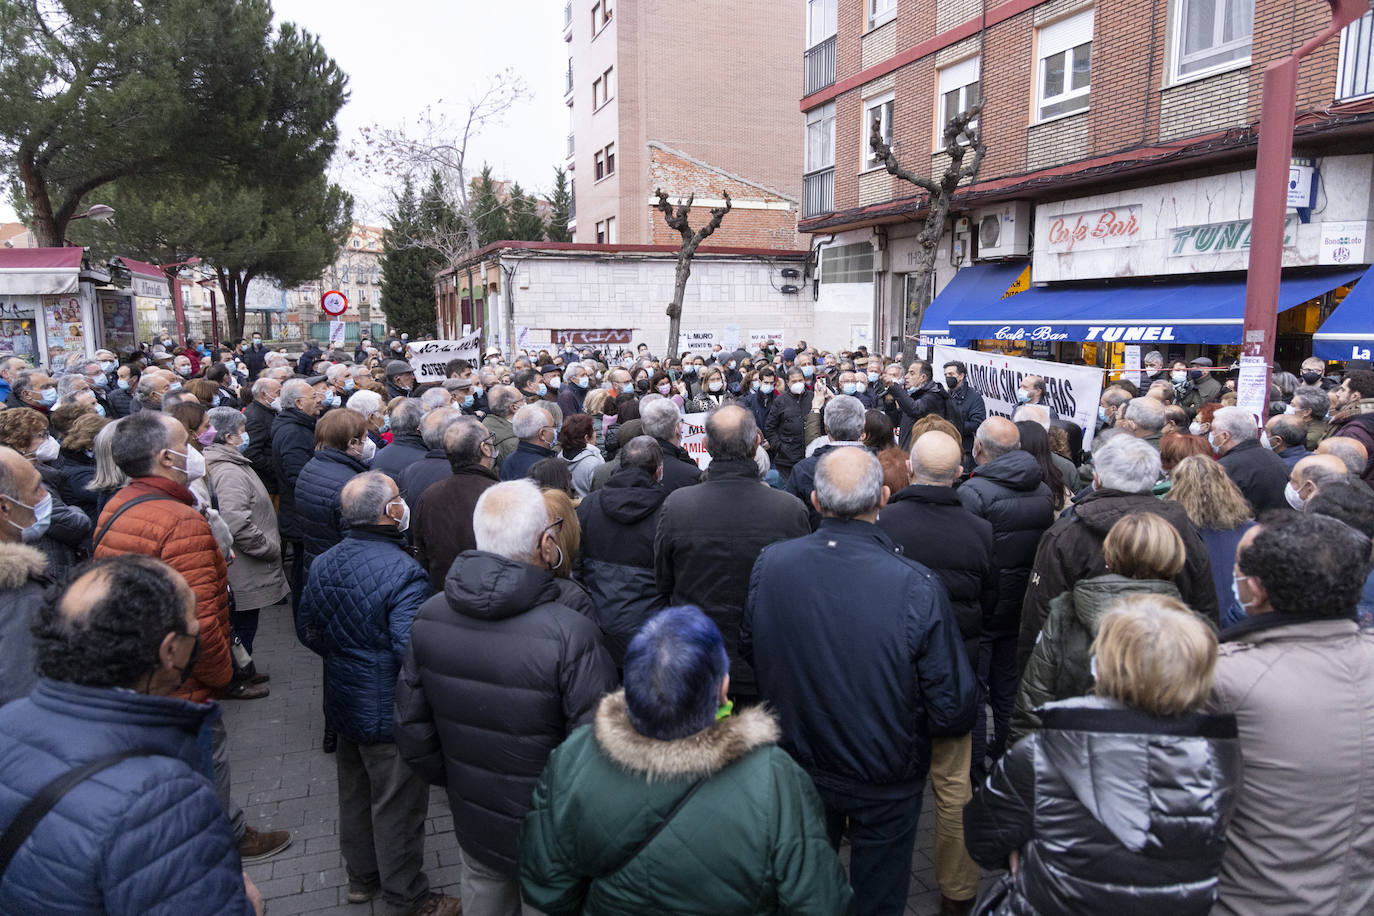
x=1121, y=139
x=695, y=98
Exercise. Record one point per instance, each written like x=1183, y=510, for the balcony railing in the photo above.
x=1356, y=75
x=570, y=146
x=820, y=65
x=818, y=192
x=567, y=15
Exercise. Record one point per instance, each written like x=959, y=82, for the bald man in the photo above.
x=23, y=571
x=860, y=695
x=928, y=523
x=1350, y=451
x=1311, y=474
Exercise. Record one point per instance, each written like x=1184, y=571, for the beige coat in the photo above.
x=1302, y=839
x=256, y=574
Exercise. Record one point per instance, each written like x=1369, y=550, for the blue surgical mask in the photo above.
x=49, y=397
x=99, y=409
x=808, y=371
x=584, y=382
x=42, y=515
x=1102, y=415
x=757, y=384
x=331, y=399
x=174, y=386
x=543, y=389
x=849, y=388
x=348, y=384
x=214, y=401
x=386, y=425
x=243, y=446
x=872, y=376
x=1022, y=396
x=469, y=401
x=123, y=384
x=108, y=366
x=99, y=381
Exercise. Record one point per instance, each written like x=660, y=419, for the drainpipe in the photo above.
x=1278, y=101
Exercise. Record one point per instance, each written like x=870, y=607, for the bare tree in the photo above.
x=960, y=144
x=438, y=142
x=676, y=218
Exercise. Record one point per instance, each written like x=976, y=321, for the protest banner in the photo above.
x=729, y=338
x=758, y=338
x=1073, y=391
x=338, y=330
x=599, y=337
x=699, y=341
x=430, y=358
x=694, y=438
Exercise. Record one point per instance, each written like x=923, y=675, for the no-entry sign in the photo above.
x=334, y=302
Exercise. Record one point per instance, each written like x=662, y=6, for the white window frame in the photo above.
x=818, y=118
x=612, y=236
x=884, y=104
x=1177, y=63
x=1057, y=39
x=822, y=16
x=1360, y=32
x=962, y=76
x=881, y=12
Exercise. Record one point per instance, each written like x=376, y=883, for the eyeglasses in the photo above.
x=552, y=528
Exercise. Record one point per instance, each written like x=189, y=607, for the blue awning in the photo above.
x=1348, y=332
x=981, y=283
x=1193, y=310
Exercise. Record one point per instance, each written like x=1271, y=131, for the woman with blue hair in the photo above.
x=669, y=802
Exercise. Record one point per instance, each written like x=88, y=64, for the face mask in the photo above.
x=543, y=390
x=1211, y=440
x=386, y=425
x=123, y=384
x=1266, y=442
x=48, y=450
x=175, y=386
x=757, y=385
x=206, y=438
x=1290, y=410
x=348, y=384
x=584, y=382
x=330, y=400
x=713, y=386
x=1178, y=378
x=276, y=403
x=808, y=371
x=1195, y=374
x=555, y=382
x=42, y=515
x=951, y=382
x=1022, y=395
x=873, y=377
x=49, y=397
x=107, y=366
x=243, y=445
x=98, y=382
x=369, y=449
x=214, y=401
x=469, y=401
x=1235, y=592
x=797, y=387
x=1293, y=497
x=1311, y=378
x=690, y=370
x=664, y=389
x=184, y=371
x=730, y=365
x=849, y=387
x=1102, y=415
x=257, y=341
x=1092, y=666
x=195, y=464
x=99, y=410
x=860, y=387
x=404, y=522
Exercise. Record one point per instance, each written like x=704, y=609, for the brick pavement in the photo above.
x=284, y=781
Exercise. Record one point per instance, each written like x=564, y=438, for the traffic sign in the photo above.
x=334, y=302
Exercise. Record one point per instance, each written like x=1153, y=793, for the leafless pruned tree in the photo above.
x=677, y=219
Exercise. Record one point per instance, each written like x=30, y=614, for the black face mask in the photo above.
x=1195, y=375
x=1311, y=378
x=951, y=382
x=190, y=662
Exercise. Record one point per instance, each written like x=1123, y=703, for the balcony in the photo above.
x=567, y=89
x=820, y=66
x=570, y=146
x=572, y=206
x=567, y=17
x=1355, y=78
x=818, y=192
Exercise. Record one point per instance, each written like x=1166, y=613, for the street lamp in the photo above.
x=98, y=212
x=176, y=291
x=212, y=284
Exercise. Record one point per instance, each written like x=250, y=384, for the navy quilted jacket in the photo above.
x=145, y=836
x=318, y=489
x=293, y=445
x=356, y=611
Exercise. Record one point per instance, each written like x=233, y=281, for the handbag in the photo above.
x=994, y=896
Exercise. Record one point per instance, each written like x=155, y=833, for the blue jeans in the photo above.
x=882, y=835
x=245, y=626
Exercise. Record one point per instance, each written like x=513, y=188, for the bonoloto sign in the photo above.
x=334, y=302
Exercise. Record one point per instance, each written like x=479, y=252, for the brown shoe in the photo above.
x=255, y=846
x=259, y=677
x=950, y=907
x=439, y=905
x=246, y=690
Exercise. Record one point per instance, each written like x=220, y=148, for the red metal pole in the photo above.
x=176, y=306
x=214, y=321
x=1278, y=101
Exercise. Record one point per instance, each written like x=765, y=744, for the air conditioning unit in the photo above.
x=1004, y=230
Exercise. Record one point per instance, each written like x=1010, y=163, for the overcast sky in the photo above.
x=402, y=55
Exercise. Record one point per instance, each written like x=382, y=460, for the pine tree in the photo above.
x=526, y=223
x=488, y=210
x=561, y=202
x=407, y=274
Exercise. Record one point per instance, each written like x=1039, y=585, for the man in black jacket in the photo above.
x=697, y=559
x=498, y=672
x=1260, y=474
x=406, y=445
x=306, y=364
x=441, y=522
x=255, y=357
x=293, y=445
x=921, y=396
x=786, y=426
x=1008, y=490
x=1125, y=471
x=967, y=410
x=843, y=416
x=930, y=526
x=259, y=416
x=616, y=559
x=857, y=650
x=435, y=466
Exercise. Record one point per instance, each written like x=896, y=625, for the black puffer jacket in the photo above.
x=932, y=528
x=497, y=674
x=700, y=560
x=293, y=445
x=1140, y=832
x=1011, y=494
x=785, y=430
x=1072, y=551
x=930, y=398
x=616, y=559
x=258, y=420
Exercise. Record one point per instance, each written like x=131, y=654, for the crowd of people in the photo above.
x=1138, y=677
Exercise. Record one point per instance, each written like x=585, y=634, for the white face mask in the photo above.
x=797, y=387
x=48, y=450
x=404, y=521
x=1293, y=497
x=195, y=464
x=369, y=450
x=1195, y=428
x=276, y=403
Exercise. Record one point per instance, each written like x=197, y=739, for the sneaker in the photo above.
x=362, y=892
x=246, y=690
x=254, y=846
x=439, y=905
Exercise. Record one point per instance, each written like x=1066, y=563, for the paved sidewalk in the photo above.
x=284, y=781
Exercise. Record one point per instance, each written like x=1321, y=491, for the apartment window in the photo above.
x=1355, y=72
x=605, y=231
x=610, y=158
x=596, y=93
x=608, y=84
x=1211, y=35
x=958, y=92
x=821, y=21
x=878, y=108
x=881, y=12
x=601, y=14
x=820, y=138
x=847, y=264
x=602, y=90
x=1065, y=50
x=603, y=161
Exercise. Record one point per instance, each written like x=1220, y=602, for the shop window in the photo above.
x=1065, y=63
